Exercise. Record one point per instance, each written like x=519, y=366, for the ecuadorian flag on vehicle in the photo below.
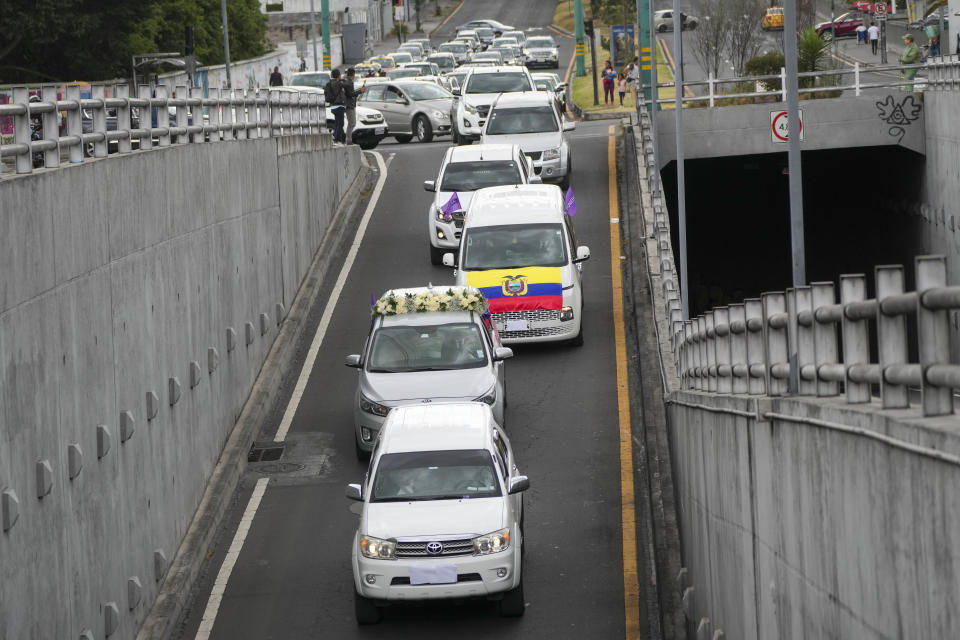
x=520, y=289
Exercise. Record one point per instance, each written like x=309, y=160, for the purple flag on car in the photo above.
x=453, y=204
x=570, y=204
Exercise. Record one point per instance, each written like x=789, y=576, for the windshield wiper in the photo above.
x=385, y=370
x=405, y=499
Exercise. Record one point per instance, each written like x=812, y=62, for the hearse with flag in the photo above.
x=519, y=248
x=427, y=345
x=462, y=172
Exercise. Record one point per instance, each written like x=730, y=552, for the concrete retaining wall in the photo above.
x=138, y=299
x=792, y=530
x=938, y=214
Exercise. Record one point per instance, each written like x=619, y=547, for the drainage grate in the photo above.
x=261, y=452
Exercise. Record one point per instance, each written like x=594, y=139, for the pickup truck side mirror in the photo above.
x=569, y=125
x=502, y=353
x=449, y=260
x=455, y=91
x=355, y=491
x=517, y=484
x=353, y=361
x=429, y=185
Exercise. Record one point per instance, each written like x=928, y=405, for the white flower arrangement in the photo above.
x=391, y=304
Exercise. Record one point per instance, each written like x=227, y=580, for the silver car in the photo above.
x=413, y=357
x=411, y=108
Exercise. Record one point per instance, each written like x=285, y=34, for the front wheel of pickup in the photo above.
x=365, y=610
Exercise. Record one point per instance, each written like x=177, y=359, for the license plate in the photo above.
x=516, y=325
x=433, y=574
x=380, y=131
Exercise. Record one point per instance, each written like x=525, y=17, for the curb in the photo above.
x=175, y=591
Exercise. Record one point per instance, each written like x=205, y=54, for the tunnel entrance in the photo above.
x=858, y=206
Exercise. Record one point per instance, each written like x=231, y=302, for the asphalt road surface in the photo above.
x=292, y=577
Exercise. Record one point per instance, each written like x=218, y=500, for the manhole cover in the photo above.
x=277, y=467
x=260, y=452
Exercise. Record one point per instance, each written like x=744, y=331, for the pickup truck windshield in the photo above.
x=435, y=475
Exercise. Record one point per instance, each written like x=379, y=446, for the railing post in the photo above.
x=739, y=364
x=756, y=351
x=710, y=339
x=21, y=130
x=806, y=363
x=100, y=147
x=856, y=337
x=163, y=116
x=196, y=113
x=51, y=128
x=241, y=114
x=856, y=78
x=146, y=119
x=775, y=343
x=783, y=84
x=228, y=119
x=251, y=116
x=263, y=112
x=710, y=84
x=74, y=125
x=824, y=337
x=933, y=335
x=183, y=119
x=688, y=355
x=124, y=120
x=891, y=337
x=721, y=319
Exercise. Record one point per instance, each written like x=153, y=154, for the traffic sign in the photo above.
x=778, y=126
x=880, y=8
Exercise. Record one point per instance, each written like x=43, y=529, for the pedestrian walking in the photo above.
x=336, y=99
x=622, y=86
x=874, y=34
x=633, y=76
x=351, y=94
x=910, y=55
x=303, y=63
x=276, y=78
x=608, y=76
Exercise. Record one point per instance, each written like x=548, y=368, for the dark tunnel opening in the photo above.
x=857, y=204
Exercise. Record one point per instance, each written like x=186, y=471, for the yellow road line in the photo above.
x=687, y=91
x=631, y=585
x=452, y=13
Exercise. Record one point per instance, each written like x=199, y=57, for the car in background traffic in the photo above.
x=401, y=57
x=370, y=129
x=425, y=68
x=519, y=248
x=518, y=35
x=463, y=171
x=315, y=79
x=411, y=108
x=441, y=513
x=478, y=92
x=931, y=20
x=531, y=119
x=486, y=35
x=546, y=81
x=470, y=36
x=461, y=50
x=437, y=352
x=541, y=51
x=404, y=72
x=663, y=21
x=772, y=19
x=498, y=27
x=423, y=42
x=445, y=61
x=415, y=50
x=491, y=55
x=844, y=26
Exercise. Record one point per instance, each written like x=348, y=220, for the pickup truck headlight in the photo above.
x=469, y=109
x=378, y=549
x=369, y=406
x=489, y=397
x=492, y=542
x=551, y=154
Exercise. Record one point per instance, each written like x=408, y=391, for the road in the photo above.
x=292, y=577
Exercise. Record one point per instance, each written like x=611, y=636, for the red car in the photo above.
x=844, y=26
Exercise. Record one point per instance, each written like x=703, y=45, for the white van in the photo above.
x=519, y=248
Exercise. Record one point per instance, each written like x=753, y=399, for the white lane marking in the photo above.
x=220, y=585
x=331, y=305
x=389, y=157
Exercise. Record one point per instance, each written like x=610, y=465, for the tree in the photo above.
x=768, y=64
x=713, y=34
x=745, y=40
x=813, y=54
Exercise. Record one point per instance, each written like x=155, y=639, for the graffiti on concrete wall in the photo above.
x=899, y=114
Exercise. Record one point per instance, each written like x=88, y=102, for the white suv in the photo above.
x=462, y=172
x=442, y=512
x=531, y=120
x=478, y=91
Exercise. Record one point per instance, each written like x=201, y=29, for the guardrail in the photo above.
x=942, y=74
x=757, y=346
x=189, y=117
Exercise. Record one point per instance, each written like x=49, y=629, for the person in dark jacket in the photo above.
x=337, y=102
x=351, y=103
x=276, y=78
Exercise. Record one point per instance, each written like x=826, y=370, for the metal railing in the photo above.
x=756, y=347
x=940, y=74
x=149, y=120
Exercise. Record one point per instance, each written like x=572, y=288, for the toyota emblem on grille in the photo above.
x=434, y=548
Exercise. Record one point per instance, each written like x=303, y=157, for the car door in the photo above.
x=504, y=451
x=372, y=97
x=394, y=110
